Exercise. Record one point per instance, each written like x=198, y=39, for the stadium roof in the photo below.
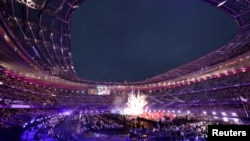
x=38, y=34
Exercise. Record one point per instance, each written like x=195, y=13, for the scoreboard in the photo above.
x=99, y=90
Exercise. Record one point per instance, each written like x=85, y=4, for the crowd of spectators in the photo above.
x=240, y=79
x=222, y=93
x=18, y=117
x=41, y=96
x=69, y=126
x=225, y=92
x=146, y=130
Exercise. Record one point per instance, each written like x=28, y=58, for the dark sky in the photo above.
x=132, y=40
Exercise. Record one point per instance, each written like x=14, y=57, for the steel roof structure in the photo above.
x=35, y=47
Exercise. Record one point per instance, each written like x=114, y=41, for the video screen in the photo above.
x=99, y=90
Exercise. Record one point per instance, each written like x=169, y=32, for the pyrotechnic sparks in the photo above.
x=135, y=104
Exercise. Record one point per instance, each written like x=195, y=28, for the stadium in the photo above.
x=43, y=98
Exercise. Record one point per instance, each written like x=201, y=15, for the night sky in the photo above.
x=132, y=40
